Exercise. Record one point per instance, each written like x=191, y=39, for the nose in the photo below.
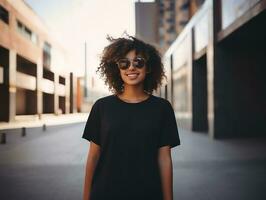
x=131, y=66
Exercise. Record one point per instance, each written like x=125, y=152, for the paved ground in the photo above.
x=50, y=165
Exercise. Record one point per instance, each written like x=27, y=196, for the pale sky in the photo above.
x=77, y=21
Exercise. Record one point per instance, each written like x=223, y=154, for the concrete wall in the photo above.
x=221, y=65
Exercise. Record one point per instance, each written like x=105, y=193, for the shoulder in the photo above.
x=164, y=106
x=162, y=101
x=103, y=100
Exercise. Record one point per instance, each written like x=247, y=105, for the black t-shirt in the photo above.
x=129, y=135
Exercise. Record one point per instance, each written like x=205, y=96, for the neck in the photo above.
x=133, y=92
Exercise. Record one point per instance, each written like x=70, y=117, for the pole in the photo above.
x=85, y=75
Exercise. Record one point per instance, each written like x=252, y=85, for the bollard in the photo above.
x=23, y=134
x=3, y=138
x=44, y=127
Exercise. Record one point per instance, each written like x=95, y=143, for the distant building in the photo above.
x=185, y=9
x=146, y=21
x=33, y=76
x=161, y=21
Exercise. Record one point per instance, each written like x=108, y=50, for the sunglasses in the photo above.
x=124, y=63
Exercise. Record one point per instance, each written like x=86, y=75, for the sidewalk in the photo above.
x=51, y=166
x=31, y=121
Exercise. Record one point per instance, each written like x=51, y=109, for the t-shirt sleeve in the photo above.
x=92, y=128
x=169, y=133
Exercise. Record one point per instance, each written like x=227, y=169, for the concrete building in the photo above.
x=146, y=21
x=33, y=78
x=216, y=69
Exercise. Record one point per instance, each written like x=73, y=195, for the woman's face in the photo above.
x=133, y=75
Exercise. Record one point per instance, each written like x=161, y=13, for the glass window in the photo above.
x=26, y=32
x=46, y=55
x=34, y=38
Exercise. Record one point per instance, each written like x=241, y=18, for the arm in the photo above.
x=92, y=160
x=166, y=171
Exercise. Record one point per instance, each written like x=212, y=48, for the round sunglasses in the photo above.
x=124, y=63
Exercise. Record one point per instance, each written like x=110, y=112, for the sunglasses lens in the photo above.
x=123, y=63
x=139, y=62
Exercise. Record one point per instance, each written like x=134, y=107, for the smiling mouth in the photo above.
x=132, y=75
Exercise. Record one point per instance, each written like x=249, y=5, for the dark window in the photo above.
x=4, y=14
x=185, y=5
x=47, y=74
x=183, y=22
x=169, y=42
x=25, y=66
x=171, y=29
x=62, y=80
x=161, y=10
x=20, y=26
x=28, y=33
x=170, y=20
x=46, y=55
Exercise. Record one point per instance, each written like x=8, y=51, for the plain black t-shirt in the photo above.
x=129, y=135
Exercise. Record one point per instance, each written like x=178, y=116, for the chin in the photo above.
x=133, y=82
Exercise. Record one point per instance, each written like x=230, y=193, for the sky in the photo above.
x=75, y=21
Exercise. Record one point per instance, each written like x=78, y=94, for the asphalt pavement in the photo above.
x=47, y=165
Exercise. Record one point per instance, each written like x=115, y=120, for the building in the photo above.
x=216, y=69
x=146, y=21
x=185, y=9
x=161, y=21
x=33, y=76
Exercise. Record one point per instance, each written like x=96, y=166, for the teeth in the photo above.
x=132, y=75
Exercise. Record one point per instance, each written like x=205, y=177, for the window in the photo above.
x=171, y=29
x=46, y=55
x=19, y=26
x=62, y=80
x=183, y=22
x=26, y=32
x=171, y=20
x=185, y=5
x=4, y=14
x=34, y=38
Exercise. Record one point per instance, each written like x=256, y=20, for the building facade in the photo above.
x=215, y=70
x=33, y=79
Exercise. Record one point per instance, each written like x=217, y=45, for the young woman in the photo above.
x=131, y=132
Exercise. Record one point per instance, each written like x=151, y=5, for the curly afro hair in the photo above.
x=118, y=48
